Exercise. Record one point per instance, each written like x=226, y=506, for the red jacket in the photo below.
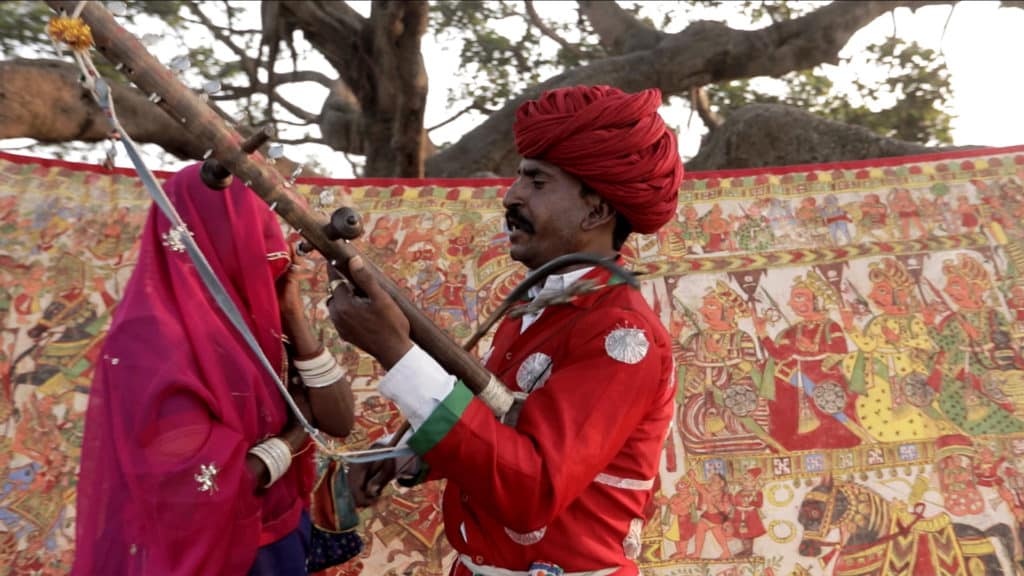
x=568, y=484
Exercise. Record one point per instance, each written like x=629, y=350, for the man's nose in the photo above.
x=513, y=196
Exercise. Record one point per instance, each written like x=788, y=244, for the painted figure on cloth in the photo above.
x=812, y=224
x=890, y=363
x=968, y=214
x=680, y=515
x=691, y=230
x=874, y=218
x=954, y=466
x=717, y=230
x=754, y=231
x=837, y=220
x=907, y=212
x=810, y=402
x=969, y=478
x=747, y=502
x=722, y=410
x=969, y=366
x=66, y=342
x=716, y=508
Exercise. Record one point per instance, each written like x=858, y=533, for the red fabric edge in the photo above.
x=474, y=182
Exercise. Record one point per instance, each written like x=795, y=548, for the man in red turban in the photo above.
x=615, y=143
x=563, y=486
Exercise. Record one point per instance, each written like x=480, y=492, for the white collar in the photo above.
x=558, y=282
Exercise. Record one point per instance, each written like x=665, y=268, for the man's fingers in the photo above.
x=364, y=280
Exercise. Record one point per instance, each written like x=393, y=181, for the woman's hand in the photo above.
x=288, y=294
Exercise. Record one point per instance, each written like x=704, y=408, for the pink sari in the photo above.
x=178, y=400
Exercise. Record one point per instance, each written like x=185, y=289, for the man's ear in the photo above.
x=600, y=213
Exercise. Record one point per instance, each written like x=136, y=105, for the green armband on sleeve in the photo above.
x=441, y=420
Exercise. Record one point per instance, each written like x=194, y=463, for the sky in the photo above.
x=981, y=45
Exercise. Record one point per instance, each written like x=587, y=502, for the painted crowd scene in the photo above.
x=849, y=342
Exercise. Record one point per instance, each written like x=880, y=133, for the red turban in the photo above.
x=616, y=143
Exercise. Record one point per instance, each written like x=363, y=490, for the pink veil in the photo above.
x=178, y=399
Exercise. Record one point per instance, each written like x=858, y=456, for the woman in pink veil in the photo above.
x=191, y=462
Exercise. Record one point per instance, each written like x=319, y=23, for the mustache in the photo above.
x=514, y=219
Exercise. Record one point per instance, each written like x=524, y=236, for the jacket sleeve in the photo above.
x=568, y=431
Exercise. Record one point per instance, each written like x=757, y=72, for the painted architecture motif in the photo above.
x=850, y=347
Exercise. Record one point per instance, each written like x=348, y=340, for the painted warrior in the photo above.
x=890, y=362
x=691, y=230
x=754, y=232
x=811, y=404
x=969, y=364
x=722, y=410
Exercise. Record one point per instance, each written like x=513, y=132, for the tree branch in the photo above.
x=535, y=19
x=336, y=31
x=303, y=140
x=294, y=110
x=700, y=104
x=703, y=53
x=297, y=76
x=43, y=99
x=453, y=118
x=248, y=64
x=617, y=30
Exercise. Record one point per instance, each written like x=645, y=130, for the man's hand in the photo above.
x=366, y=481
x=371, y=320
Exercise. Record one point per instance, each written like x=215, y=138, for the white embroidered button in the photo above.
x=533, y=372
x=627, y=345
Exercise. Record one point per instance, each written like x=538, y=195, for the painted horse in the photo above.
x=75, y=331
x=877, y=537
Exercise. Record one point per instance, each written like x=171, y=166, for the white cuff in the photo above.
x=417, y=384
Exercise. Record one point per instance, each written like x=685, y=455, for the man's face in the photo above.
x=544, y=211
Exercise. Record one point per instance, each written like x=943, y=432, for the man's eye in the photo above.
x=538, y=184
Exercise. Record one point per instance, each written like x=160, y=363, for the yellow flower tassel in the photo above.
x=71, y=31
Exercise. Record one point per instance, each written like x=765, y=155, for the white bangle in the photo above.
x=276, y=455
x=319, y=372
